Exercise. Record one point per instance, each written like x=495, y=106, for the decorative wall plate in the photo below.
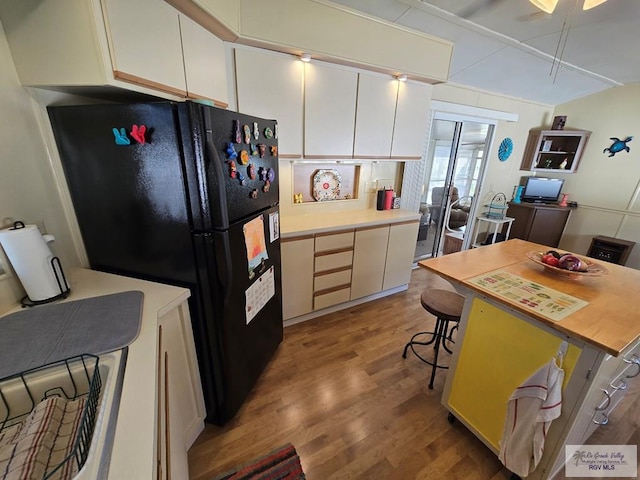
x=326, y=185
x=505, y=149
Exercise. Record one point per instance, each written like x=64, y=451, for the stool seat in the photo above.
x=443, y=303
x=447, y=307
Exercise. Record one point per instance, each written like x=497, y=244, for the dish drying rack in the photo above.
x=70, y=379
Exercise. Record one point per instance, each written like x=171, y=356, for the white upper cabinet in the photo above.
x=139, y=46
x=329, y=111
x=145, y=45
x=375, y=114
x=204, y=63
x=412, y=118
x=269, y=85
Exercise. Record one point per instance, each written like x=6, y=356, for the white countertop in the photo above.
x=296, y=225
x=134, y=439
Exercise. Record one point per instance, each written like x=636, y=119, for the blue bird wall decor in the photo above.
x=617, y=146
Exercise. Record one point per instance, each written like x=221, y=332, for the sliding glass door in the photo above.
x=456, y=160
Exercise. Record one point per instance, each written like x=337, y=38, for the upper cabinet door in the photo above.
x=270, y=86
x=329, y=111
x=412, y=119
x=145, y=44
x=375, y=116
x=204, y=63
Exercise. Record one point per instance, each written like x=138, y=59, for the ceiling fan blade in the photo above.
x=477, y=7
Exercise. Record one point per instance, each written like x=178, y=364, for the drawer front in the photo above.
x=334, y=241
x=329, y=280
x=331, y=298
x=334, y=260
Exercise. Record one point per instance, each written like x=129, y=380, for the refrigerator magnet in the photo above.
x=268, y=132
x=262, y=148
x=231, y=152
x=121, y=136
x=237, y=136
x=137, y=132
x=251, y=171
x=274, y=150
x=254, y=150
x=256, y=130
x=247, y=134
x=244, y=157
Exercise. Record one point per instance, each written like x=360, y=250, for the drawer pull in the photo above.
x=606, y=405
x=633, y=360
x=604, y=420
x=622, y=385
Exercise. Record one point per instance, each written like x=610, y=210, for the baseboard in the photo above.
x=342, y=306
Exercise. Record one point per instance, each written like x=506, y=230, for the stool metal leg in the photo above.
x=439, y=337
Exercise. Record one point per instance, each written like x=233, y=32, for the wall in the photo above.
x=606, y=188
x=28, y=190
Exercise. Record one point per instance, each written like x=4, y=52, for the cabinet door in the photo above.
x=270, y=86
x=297, y=276
x=329, y=111
x=204, y=63
x=369, y=258
x=145, y=44
x=412, y=119
x=375, y=116
x=182, y=405
x=400, y=251
x=547, y=226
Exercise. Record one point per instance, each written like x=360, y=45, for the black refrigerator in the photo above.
x=186, y=194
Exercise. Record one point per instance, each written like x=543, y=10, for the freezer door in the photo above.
x=233, y=179
x=128, y=188
x=248, y=324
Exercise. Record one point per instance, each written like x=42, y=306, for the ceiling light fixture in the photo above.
x=591, y=3
x=545, y=5
x=305, y=57
x=402, y=78
x=550, y=5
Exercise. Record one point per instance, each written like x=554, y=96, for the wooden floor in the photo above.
x=339, y=390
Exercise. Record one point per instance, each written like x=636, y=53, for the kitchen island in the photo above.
x=161, y=407
x=507, y=334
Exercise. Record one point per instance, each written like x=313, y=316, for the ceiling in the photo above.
x=508, y=46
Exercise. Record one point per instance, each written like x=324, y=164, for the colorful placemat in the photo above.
x=532, y=296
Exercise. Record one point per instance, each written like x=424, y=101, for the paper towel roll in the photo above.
x=31, y=258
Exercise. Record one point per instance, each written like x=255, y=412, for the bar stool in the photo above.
x=447, y=308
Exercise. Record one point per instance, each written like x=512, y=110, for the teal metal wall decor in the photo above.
x=505, y=149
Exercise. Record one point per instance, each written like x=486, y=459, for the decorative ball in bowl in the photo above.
x=567, y=264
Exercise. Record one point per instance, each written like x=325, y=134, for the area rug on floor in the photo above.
x=281, y=464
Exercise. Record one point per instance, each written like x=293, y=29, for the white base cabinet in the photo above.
x=296, y=256
x=179, y=392
x=369, y=259
x=331, y=268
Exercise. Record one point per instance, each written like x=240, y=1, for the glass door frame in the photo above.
x=462, y=118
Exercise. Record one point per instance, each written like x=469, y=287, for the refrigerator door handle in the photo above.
x=226, y=267
x=212, y=160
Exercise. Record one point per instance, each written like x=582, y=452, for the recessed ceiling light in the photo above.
x=305, y=57
x=402, y=78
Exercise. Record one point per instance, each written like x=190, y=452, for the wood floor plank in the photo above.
x=339, y=390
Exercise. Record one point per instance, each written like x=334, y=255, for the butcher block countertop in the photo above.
x=308, y=224
x=609, y=322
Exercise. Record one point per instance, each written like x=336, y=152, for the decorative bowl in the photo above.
x=593, y=269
